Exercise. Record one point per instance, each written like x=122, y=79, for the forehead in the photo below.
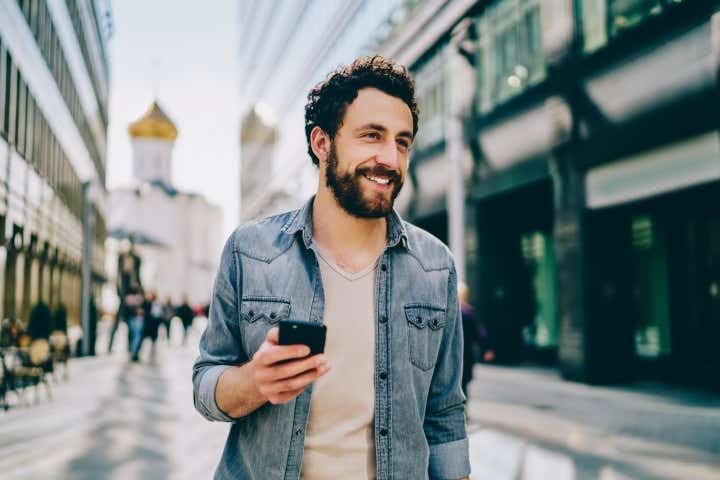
x=375, y=106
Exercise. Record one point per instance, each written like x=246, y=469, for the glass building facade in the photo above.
x=590, y=211
x=53, y=123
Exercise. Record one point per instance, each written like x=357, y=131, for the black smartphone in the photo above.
x=294, y=332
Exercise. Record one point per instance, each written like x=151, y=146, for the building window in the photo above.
x=430, y=93
x=12, y=101
x=539, y=254
x=21, y=116
x=510, y=54
x=652, y=317
x=603, y=20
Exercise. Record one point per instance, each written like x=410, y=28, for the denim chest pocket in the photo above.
x=264, y=309
x=425, y=331
x=257, y=316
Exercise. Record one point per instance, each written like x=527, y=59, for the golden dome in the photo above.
x=154, y=124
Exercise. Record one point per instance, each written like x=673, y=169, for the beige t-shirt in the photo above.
x=339, y=442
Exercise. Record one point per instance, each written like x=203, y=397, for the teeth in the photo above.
x=381, y=181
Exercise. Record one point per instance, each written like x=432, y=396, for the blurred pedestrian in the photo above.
x=168, y=314
x=133, y=311
x=186, y=315
x=475, y=336
x=127, y=282
x=153, y=317
x=40, y=325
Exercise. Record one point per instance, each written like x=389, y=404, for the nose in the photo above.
x=389, y=156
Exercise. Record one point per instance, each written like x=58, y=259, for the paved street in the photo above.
x=116, y=420
x=534, y=423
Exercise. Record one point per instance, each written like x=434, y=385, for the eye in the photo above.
x=372, y=135
x=404, y=145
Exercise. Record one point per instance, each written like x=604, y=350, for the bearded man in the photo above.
x=384, y=400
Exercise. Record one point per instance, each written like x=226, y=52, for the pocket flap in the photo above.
x=422, y=316
x=268, y=309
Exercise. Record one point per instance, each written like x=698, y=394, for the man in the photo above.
x=384, y=401
x=126, y=282
x=186, y=315
x=475, y=337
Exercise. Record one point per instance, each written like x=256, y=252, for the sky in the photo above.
x=182, y=52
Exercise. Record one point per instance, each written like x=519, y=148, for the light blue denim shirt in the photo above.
x=268, y=272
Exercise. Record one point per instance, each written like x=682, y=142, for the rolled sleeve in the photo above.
x=205, y=394
x=221, y=343
x=444, y=423
x=449, y=460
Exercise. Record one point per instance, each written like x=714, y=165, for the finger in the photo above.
x=293, y=368
x=277, y=353
x=285, y=397
x=298, y=381
x=273, y=336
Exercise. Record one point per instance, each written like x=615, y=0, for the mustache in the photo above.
x=381, y=171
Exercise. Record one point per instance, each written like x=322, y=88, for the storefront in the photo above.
x=666, y=202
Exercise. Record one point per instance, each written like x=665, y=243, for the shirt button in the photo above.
x=383, y=267
x=383, y=375
x=383, y=319
x=383, y=432
x=298, y=431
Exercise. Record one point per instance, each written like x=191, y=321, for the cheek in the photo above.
x=403, y=167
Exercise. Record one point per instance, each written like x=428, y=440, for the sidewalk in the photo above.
x=117, y=420
x=527, y=423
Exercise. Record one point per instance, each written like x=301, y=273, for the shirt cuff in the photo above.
x=450, y=460
x=206, y=394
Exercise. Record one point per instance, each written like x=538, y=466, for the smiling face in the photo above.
x=366, y=162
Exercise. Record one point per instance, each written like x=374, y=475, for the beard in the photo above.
x=348, y=191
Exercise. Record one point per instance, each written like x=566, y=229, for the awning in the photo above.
x=661, y=170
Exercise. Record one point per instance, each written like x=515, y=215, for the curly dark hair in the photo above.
x=328, y=100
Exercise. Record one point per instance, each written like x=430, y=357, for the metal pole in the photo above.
x=87, y=226
x=455, y=154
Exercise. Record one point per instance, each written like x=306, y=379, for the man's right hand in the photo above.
x=282, y=372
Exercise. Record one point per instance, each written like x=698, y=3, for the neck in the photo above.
x=342, y=234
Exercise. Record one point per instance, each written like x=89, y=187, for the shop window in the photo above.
x=18, y=290
x=34, y=281
x=652, y=315
x=603, y=20
x=539, y=254
x=510, y=54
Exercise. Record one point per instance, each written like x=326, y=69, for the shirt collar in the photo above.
x=301, y=221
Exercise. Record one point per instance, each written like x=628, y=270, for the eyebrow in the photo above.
x=376, y=126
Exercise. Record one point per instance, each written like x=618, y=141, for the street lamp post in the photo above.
x=87, y=264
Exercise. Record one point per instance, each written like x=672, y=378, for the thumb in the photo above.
x=273, y=336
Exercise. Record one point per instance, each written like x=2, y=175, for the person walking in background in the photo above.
x=127, y=282
x=133, y=311
x=168, y=312
x=153, y=317
x=186, y=315
x=475, y=336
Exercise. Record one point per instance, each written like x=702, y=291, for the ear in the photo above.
x=320, y=143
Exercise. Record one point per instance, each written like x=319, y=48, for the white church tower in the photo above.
x=177, y=233
x=153, y=138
